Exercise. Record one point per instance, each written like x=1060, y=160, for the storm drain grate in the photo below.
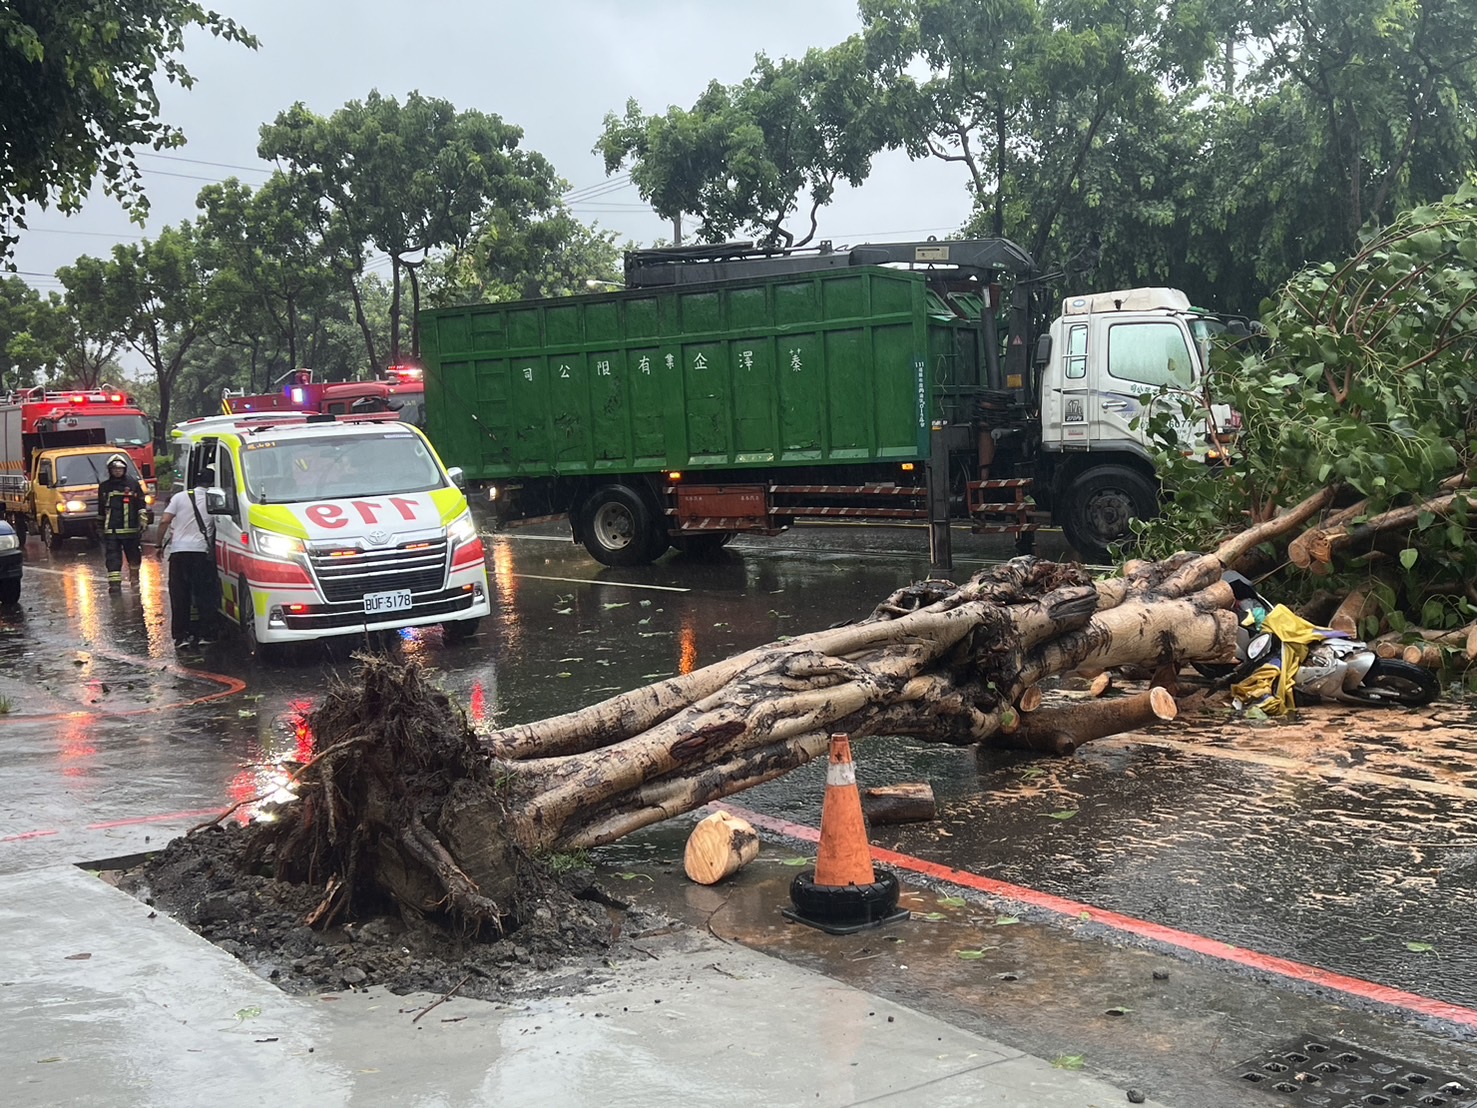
x=1333, y=1074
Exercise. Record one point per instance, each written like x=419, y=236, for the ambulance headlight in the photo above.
x=462, y=529
x=278, y=546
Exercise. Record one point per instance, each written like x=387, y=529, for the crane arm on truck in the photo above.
x=689, y=265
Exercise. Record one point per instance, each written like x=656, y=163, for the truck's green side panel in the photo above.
x=841, y=366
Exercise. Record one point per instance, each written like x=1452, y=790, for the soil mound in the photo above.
x=571, y=929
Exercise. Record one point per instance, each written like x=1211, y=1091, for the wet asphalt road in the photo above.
x=1365, y=868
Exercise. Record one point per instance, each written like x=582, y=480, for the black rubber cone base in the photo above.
x=845, y=909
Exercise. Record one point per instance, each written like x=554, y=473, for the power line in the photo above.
x=198, y=161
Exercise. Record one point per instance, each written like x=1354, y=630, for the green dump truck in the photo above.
x=729, y=390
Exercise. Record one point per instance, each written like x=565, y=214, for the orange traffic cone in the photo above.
x=845, y=892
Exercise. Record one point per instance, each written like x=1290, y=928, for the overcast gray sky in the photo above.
x=553, y=67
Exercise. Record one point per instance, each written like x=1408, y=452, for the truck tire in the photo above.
x=460, y=630
x=1098, y=506
x=619, y=528
x=703, y=545
x=49, y=537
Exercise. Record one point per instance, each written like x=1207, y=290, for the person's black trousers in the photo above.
x=193, y=596
x=115, y=547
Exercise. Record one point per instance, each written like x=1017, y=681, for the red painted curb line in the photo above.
x=164, y=818
x=1185, y=940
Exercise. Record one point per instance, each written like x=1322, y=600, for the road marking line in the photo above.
x=1170, y=936
x=1294, y=765
x=604, y=584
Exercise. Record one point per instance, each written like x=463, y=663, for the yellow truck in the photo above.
x=56, y=496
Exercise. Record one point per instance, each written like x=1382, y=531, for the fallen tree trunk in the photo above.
x=909, y=803
x=402, y=801
x=1062, y=730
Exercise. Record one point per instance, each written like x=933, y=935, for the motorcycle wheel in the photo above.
x=1395, y=684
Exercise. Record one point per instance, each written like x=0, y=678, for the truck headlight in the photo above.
x=462, y=529
x=278, y=546
x=74, y=506
x=9, y=542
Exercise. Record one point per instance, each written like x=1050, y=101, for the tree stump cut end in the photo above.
x=720, y=845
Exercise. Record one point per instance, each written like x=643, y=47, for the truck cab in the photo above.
x=326, y=527
x=1115, y=360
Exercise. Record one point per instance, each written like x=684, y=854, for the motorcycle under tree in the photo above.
x=1337, y=666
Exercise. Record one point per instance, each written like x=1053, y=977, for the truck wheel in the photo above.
x=49, y=537
x=619, y=529
x=460, y=630
x=702, y=546
x=1099, y=505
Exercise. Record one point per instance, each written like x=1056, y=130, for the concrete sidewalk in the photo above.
x=108, y=1003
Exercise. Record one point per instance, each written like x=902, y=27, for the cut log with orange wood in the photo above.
x=1346, y=616
x=1430, y=655
x=1325, y=544
x=720, y=845
x=906, y=803
x=1312, y=550
x=1101, y=685
x=1030, y=699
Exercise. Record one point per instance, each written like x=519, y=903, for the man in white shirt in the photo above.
x=189, y=533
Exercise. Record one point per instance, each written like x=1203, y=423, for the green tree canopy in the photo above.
x=1370, y=383
x=158, y=296
x=742, y=156
x=408, y=179
x=77, y=97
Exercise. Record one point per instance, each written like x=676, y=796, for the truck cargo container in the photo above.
x=729, y=390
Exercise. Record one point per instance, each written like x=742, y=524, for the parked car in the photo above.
x=11, y=558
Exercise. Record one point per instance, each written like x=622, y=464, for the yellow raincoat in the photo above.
x=1270, y=686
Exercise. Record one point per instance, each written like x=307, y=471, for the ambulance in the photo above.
x=329, y=526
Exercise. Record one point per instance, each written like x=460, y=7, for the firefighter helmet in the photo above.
x=118, y=460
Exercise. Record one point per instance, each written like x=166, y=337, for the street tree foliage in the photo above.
x=408, y=180
x=1216, y=145
x=515, y=259
x=747, y=157
x=282, y=276
x=157, y=296
x=78, y=98
x=27, y=339
x=1368, y=383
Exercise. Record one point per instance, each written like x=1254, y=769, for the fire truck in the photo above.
x=54, y=448
x=400, y=391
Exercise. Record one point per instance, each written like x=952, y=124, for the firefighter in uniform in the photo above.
x=120, y=515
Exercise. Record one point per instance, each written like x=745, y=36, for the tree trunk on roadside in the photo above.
x=402, y=800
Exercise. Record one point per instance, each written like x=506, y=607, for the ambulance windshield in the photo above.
x=289, y=471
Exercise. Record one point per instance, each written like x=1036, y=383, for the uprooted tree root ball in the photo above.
x=392, y=865
x=399, y=800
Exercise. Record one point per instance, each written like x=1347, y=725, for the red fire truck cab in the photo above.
x=401, y=391
x=102, y=416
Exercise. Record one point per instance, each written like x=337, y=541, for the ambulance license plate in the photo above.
x=376, y=603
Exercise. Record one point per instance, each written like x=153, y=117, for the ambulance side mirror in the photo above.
x=458, y=478
x=217, y=501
